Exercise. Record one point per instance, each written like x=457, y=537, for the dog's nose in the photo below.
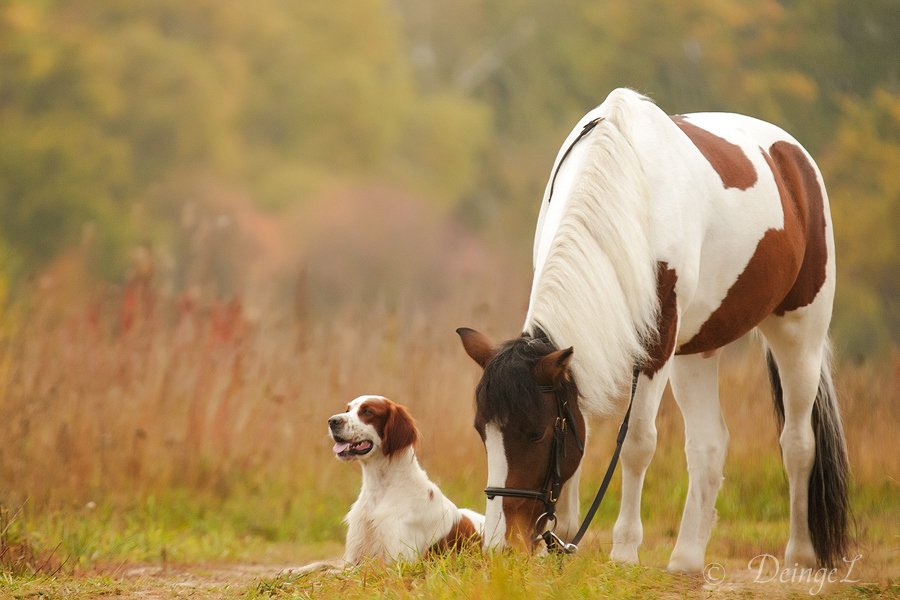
x=334, y=422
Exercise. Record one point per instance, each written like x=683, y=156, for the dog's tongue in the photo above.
x=340, y=447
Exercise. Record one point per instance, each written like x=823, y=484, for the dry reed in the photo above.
x=140, y=391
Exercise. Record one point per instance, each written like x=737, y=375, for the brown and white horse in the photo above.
x=661, y=240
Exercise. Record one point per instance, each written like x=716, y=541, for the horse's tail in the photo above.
x=829, y=482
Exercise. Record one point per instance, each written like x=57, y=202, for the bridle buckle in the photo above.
x=555, y=544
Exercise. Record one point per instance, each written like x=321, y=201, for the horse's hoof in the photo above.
x=800, y=555
x=624, y=555
x=680, y=563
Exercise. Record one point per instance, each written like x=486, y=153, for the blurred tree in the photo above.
x=541, y=65
x=59, y=168
x=110, y=104
x=120, y=113
x=862, y=169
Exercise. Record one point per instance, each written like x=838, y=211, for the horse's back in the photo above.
x=757, y=239
x=739, y=213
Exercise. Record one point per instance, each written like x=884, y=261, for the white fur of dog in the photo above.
x=400, y=514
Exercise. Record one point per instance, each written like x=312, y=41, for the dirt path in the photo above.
x=218, y=581
x=195, y=581
x=233, y=581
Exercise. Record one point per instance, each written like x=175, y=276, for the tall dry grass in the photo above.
x=138, y=391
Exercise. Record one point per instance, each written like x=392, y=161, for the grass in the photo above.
x=589, y=575
x=192, y=437
x=476, y=576
x=183, y=526
x=214, y=532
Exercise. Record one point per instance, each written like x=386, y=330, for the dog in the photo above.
x=400, y=514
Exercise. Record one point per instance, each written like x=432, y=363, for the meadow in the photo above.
x=222, y=220
x=163, y=445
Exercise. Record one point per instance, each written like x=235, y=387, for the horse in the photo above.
x=660, y=240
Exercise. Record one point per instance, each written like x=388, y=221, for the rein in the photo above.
x=549, y=494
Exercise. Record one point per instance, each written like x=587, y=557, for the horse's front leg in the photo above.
x=637, y=451
x=695, y=384
x=568, y=507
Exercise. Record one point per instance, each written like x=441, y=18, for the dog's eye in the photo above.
x=365, y=412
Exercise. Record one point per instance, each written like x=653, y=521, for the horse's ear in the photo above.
x=399, y=431
x=477, y=345
x=553, y=368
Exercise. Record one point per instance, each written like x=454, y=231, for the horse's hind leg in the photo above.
x=695, y=383
x=797, y=342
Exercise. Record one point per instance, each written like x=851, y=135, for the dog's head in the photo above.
x=371, y=424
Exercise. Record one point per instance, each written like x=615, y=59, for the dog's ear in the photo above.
x=399, y=431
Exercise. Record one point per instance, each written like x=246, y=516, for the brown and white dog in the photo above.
x=400, y=514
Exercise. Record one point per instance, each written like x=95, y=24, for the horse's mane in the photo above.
x=596, y=290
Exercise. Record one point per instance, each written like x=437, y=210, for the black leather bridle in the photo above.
x=549, y=492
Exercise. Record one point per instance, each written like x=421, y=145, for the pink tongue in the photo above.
x=340, y=447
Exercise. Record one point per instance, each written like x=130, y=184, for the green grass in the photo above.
x=59, y=587
x=87, y=550
x=587, y=575
x=476, y=576
x=187, y=526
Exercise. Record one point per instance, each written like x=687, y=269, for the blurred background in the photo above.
x=221, y=220
x=375, y=146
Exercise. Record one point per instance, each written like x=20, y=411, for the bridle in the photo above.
x=549, y=492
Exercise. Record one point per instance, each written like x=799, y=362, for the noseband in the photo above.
x=549, y=492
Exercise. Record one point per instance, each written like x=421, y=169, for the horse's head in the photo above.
x=528, y=416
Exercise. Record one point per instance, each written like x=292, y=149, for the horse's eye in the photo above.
x=536, y=436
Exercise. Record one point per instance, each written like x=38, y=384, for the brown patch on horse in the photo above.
x=788, y=267
x=462, y=535
x=392, y=422
x=661, y=349
x=729, y=161
x=800, y=182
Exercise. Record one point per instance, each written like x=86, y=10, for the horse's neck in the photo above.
x=595, y=275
